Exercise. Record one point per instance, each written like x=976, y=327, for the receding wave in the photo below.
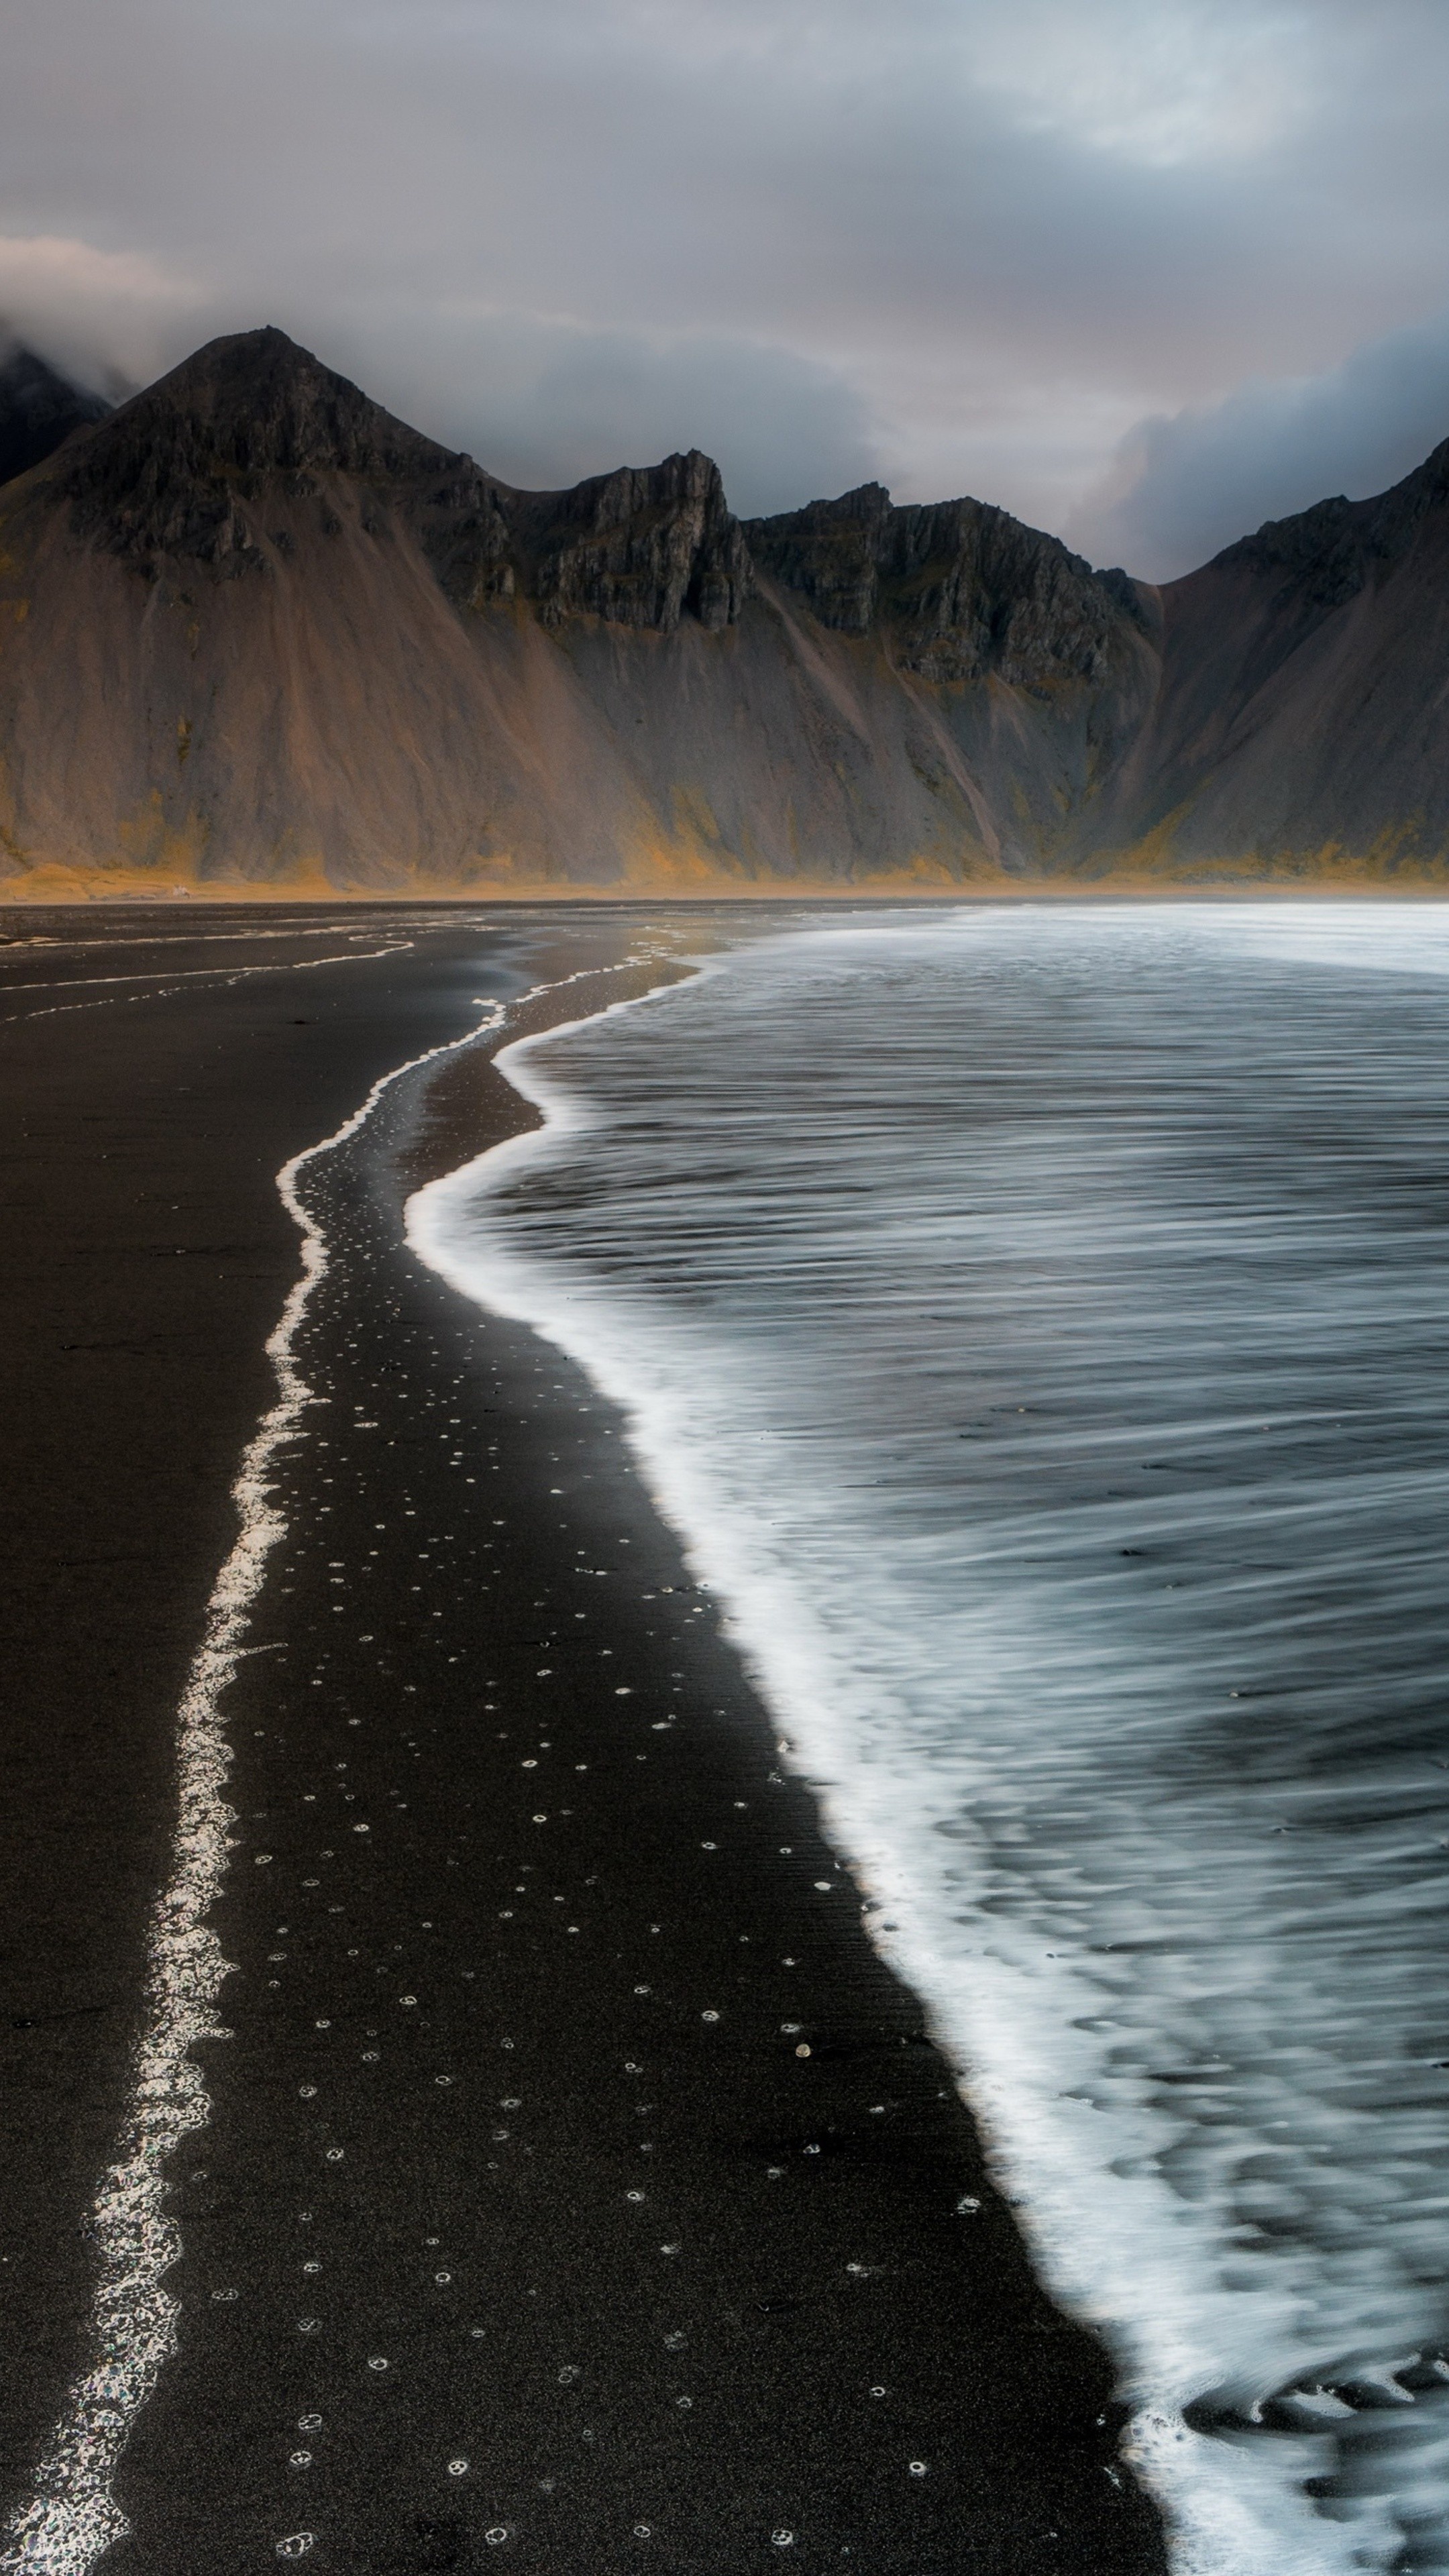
x=1037, y=1324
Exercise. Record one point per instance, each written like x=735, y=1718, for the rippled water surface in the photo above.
x=1037, y=1323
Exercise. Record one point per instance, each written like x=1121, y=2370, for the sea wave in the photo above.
x=1033, y=1320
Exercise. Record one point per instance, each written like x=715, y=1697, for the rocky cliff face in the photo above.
x=641, y=548
x=961, y=590
x=187, y=471
x=39, y=408
x=254, y=628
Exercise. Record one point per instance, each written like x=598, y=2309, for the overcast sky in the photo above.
x=1145, y=272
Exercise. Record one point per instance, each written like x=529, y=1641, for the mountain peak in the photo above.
x=211, y=464
x=256, y=402
x=1328, y=553
x=169, y=472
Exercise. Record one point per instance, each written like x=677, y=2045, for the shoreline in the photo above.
x=797, y=2287
x=1295, y=887
x=146, y=1259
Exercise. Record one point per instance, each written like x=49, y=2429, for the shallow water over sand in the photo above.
x=1037, y=1322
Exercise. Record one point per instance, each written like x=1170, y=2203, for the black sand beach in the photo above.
x=517, y=2183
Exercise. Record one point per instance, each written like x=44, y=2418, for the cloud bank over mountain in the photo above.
x=1180, y=489
x=1137, y=269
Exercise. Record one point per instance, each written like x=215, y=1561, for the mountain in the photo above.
x=39, y=407
x=255, y=630
x=1301, y=721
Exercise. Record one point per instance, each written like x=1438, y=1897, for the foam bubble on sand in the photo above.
x=73, y=2515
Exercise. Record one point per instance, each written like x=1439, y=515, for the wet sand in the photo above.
x=525, y=2080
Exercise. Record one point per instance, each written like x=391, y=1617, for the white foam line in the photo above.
x=219, y=938
x=196, y=938
x=175, y=975
x=73, y=2516
x=171, y=981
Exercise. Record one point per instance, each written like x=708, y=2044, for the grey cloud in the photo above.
x=545, y=404
x=978, y=239
x=1183, y=488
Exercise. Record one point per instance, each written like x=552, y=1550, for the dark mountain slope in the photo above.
x=1302, y=720
x=39, y=408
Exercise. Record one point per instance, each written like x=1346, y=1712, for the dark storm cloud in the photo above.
x=1181, y=489
x=546, y=402
x=968, y=244
x=764, y=413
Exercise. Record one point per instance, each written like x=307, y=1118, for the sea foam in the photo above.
x=72, y=2517
x=1034, y=1323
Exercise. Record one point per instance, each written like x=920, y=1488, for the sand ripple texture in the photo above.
x=1036, y=1321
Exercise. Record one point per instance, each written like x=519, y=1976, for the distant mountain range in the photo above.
x=254, y=630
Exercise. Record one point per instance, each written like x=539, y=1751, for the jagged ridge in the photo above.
x=354, y=652
x=961, y=588
x=185, y=469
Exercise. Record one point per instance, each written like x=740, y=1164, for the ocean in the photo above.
x=1035, y=1321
